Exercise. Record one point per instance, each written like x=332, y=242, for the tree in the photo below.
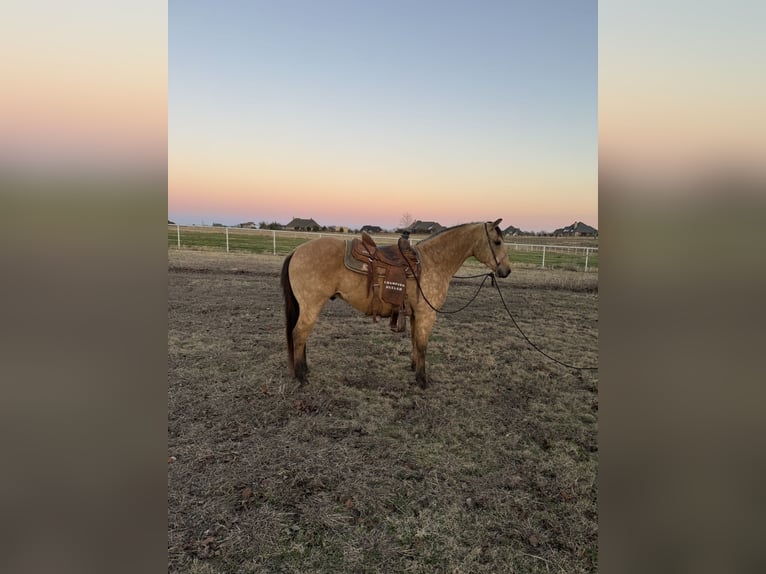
x=406, y=221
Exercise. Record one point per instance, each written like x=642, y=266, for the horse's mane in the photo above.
x=446, y=229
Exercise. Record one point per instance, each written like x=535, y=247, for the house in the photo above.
x=371, y=228
x=248, y=225
x=511, y=231
x=577, y=229
x=171, y=222
x=298, y=224
x=425, y=227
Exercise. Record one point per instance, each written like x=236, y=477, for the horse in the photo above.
x=314, y=273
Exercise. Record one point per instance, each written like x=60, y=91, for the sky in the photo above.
x=355, y=113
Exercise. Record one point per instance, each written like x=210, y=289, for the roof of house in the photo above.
x=374, y=228
x=425, y=227
x=305, y=223
x=577, y=227
x=510, y=230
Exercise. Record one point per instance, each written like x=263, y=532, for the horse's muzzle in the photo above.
x=503, y=270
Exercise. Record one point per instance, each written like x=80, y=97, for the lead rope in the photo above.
x=535, y=347
x=507, y=310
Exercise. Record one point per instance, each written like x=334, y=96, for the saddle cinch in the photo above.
x=387, y=269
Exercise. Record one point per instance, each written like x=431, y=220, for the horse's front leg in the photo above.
x=422, y=325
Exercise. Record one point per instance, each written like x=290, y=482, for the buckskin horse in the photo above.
x=325, y=268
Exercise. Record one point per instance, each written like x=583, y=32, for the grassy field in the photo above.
x=240, y=240
x=263, y=241
x=493, y=468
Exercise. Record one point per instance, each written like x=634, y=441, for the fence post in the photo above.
x=543, y=265
x=274, y=241
x=178, y=234
x=587, y=252
x=227, y=240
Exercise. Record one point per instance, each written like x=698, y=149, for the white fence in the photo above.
x=278, y=242
x=587, y=254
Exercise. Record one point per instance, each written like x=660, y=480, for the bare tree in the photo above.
x=406, y=220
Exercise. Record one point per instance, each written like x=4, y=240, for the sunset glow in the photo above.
x=354, y=114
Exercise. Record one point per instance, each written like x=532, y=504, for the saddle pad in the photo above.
x=351, y=262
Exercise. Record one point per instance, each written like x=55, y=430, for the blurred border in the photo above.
x=682, y=142
x=83, y=172
x=83, y=167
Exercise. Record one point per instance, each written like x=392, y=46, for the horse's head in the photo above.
x=493, y=253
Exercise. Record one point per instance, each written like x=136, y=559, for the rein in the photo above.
x=485, y=275
x=420, y=289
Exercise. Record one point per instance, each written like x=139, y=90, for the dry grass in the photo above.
x=491, y=469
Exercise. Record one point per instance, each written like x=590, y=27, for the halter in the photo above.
x=492, y=251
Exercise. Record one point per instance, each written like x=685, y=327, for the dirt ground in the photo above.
x=493, y=468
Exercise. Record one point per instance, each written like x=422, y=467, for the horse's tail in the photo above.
x=292, y=309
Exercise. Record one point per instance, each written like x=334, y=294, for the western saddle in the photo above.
x=387, y=270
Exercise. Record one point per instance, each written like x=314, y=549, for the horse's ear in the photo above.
x=496, y=223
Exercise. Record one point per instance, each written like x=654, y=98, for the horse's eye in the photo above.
x=498, y=242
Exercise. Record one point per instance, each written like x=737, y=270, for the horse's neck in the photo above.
x=446, y=253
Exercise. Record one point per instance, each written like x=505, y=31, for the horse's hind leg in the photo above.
x=300, y=336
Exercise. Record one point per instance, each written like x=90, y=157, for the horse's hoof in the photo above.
x=300, y=373
x=423, y=381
